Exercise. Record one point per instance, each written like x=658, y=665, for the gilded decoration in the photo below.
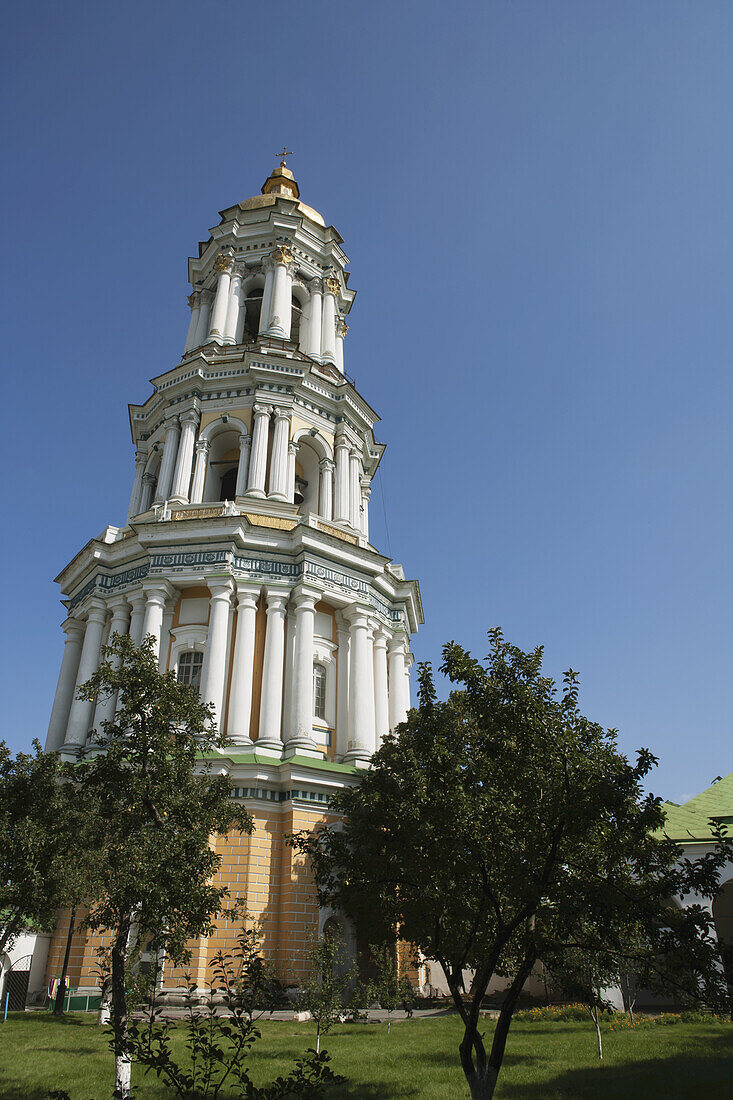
x=222, y=263
x=196, y=513
x=282, y=255
x=332, y=286
x=280, y=522
x=338, y=533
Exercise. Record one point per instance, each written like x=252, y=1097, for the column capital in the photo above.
x=306, y=597
x=357, y=614
x=261, y=410
x=141, y=456
x=137, y=601
x=117, y=603
x=96, y=610
x=192, y=300
x=277, y=598
x=220, y=587
x=380, y=634
x=191, y=416
x=282, y=412
x=203, y=446
x=293, y=447
x=398, y=641
x=332, y=286
x=72, y=626
x=315, y=286
x=245, y=441
x=158, y=591
x=247, y=594
x=171, y=423
x=223, y=262
x=342, y=440
x=282, y=255
x=326, y=464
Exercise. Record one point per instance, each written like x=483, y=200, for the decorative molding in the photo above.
x=337, y=533
x=196, y=513
x=280, y=522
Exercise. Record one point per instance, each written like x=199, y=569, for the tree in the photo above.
x=39, y=822
x=152, y=805
x=388, y=987
x=499, y=826
x=323, y=989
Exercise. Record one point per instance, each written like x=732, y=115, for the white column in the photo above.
x=80, y=715
x=355, y=490
x=156, y=593
x=359, y=750
x=342, y=688
x=301, y=735
x=341, y=502
x=243, y=468
x=292, y=453
x=381, y=700
x=266, y=296
x=241, y=315
x=120, y=615
x=146, y=494
x=325, y=496
x=194, y=301
x=240, y=695
x=279, y=459
x=409, y=660
x=365, y=494
x=341, y=330
x=370, y=718
x=168, y=462
x=223, y=266
x=212, y=683
x=271, y=699
x=202, y=325
x=328, y=325
x=312, y=343
x=199, y=471
x=182, y=476
x=62, y=700
x=234, y=307
x=141, y=458
x=258, y=458
x=282, y=294
x=138, y=604
x=397, y=704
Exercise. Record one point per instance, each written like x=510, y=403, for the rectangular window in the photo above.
x=190, y=664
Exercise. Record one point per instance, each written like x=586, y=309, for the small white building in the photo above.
x=22, y=971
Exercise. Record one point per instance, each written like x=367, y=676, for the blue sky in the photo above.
x=536, y=202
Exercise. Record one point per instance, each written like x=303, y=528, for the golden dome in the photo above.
x=281, y=184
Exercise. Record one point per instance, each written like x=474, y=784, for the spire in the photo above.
x=282, y=181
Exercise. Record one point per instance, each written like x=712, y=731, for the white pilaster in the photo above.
x=381, y=698
x=282, y=294
x=234, y=307
x=74, y=630
x=212, y=683
x=267, y=296
x=342, y=687
x=409, y=660
x=199, y=471
x=223, y=267
x=240, y=695
x=194, y=301
x=341, y=330
x=80, y=715
x=202, y=325
x=292, y=454
x=243, y=467
x=325, y=496
x=365, y=494
x=328, y=325
x=279, y=459
x=156, y=594
x=182, y=476
x=120, y=615
x=270, y=731
x=300, y=738
x=138, y=603
x=141, y=457
x=146, y=494
x=397, y=702
x=168, y=462
x=258, y=458
x=312, y=344
x=341, y=503
x=359, y=750
x=355, y=490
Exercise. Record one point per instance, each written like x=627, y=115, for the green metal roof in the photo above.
x=691, y=820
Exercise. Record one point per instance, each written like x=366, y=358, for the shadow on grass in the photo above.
x=681, y=1075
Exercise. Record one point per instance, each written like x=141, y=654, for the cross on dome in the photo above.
x=285, y=153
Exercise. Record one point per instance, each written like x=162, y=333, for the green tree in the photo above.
x=152, y=805
x=388, y=987
x=501, y=824
x=39, y=823
x=323, y=990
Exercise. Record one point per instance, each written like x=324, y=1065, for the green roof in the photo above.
x=691, y=820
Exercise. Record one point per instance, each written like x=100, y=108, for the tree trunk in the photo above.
x=482, y=1086
x=598, y=1032
x=318, y=1037
x=58, y=1008
x=119, y=1012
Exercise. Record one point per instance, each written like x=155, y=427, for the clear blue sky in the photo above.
x=536, y=201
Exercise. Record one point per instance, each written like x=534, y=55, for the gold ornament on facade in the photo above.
x=191, y=299
x=282, y=255
x=278, y=522
x=222, y=263
x=332, y=285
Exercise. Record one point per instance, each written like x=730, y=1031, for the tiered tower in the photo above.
x=246, y=551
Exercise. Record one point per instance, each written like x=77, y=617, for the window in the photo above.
x=319, y=691
x=228, y=484
x=189, y=667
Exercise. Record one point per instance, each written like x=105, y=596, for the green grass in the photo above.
x=544, y=1061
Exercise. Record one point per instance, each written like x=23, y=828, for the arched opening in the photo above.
x=252, y=315
x=297, y=314
x=306, y=478
x=221, y=476
x=723, y=917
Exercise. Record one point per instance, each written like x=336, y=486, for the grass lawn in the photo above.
x=544, y=1061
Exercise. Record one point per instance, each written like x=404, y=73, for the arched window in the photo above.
x=228, y=484
x=319, y=692
x=253, y=311
x=190, y=663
